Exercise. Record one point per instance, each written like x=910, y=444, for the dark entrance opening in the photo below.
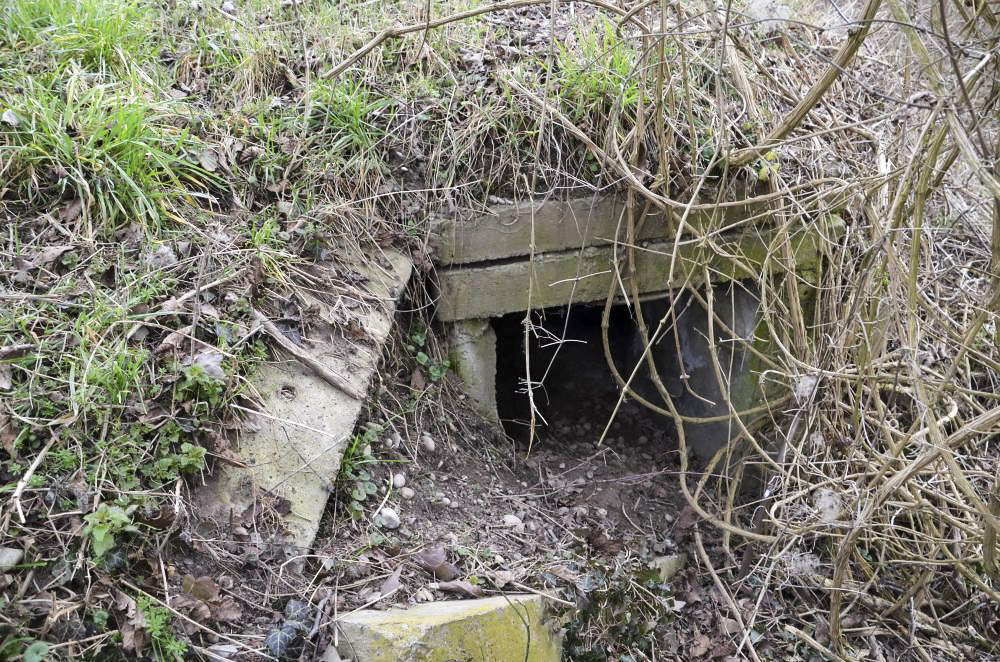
x=574, y=391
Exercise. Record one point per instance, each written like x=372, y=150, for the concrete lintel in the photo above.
x=581, y=276
x=557, y=225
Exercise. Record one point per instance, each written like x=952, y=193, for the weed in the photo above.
x=345, y=110
x=417, y=347
x=600, y=74
x=105, y=523
x=357, y=482
x=164, y=643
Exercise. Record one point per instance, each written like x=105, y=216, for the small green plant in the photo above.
x=104, y=524
x=164, y=643
x=170, y=466
x=767, y=165
x=357, y=481
x=600, y=73
x=200, y=387
x=345, y=109
x=97, y=34
x=417, y=347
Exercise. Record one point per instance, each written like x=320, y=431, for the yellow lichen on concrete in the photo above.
x=487, y=630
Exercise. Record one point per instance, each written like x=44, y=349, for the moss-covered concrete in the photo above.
x=499, y=629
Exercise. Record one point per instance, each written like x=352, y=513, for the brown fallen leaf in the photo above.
x=462, y=586
x=435, y=561
x=417, y=380
x=174, y=339
x=71, y=211
x=392, y=583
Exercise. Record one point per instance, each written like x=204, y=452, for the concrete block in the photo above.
x=499, y=629
x=472, y=349
x=305, y=423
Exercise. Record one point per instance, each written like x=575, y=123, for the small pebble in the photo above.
x=367, y=451
x=590, y=474
x=562, y=465
x=228, y=7
x=423, y=595
x=388, y=518
x=511, y=521
x=499, y=560
x=602, y=512
x=428, y=442
x=10, y=557
x=399, y=481
x=439, y=496
x=643, y=439
x=445, y=501
x=453, y=504
x=407, y=493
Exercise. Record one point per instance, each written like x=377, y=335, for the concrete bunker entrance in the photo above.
x=572, y=384
x=559, y=353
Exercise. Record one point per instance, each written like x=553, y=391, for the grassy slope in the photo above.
x=150, y=149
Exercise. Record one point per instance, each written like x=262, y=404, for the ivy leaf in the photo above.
x=36, y=652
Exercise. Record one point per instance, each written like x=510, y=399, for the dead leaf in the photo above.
x=6, y=377
x=9, y=352
x=226, y=610
x=7, y=436
x=9, y=117
x=701, y=646
x=564, y=574
x=208, y=160
x=417, y=380
x=203, y=588
x=463, y=587
x=71, y=211
x=392, y=583
x=432, y=556
x=48, y=255
x=174, y=339
x=503, y=577
x=210, y=361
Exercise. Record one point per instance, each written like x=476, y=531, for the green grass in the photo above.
x=598, y=73
x=96, y=35
x=121, y=156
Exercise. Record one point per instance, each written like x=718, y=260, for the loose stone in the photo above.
x=511, y=521
x=428, y=442
x=407, y=493
x=398, y=481
x=388, y=518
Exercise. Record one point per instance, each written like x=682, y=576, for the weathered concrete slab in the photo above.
x=306, y=421
x=555, y=225
x=581, y=276
x=472, y=349
x=500, y=629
